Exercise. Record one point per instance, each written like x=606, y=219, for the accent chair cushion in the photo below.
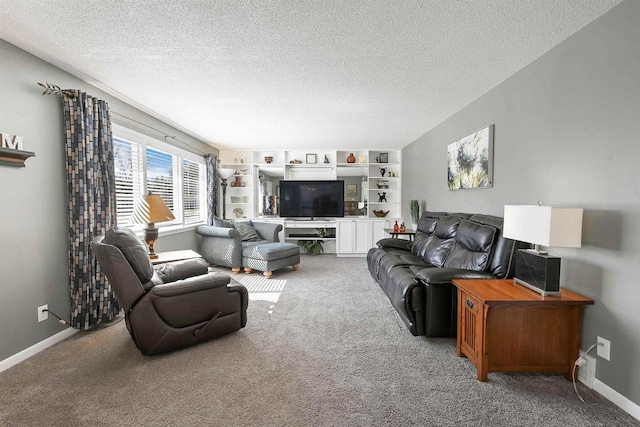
x=247, y=232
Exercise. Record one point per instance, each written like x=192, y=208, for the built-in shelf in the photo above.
x=13, y=157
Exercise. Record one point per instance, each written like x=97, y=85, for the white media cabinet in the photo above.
x=352, y=235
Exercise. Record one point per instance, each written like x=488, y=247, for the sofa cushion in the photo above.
x=133, y=249
x=426, y=227
x=472, y=246
x=438, y=248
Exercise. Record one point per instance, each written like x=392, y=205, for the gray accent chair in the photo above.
x=222, y=245
x=175, y=305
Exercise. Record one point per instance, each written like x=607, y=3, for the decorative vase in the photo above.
x=351, y=158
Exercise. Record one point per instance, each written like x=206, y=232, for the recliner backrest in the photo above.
x=437, y=250
x=133, y=250
x=424, y=233
x=502, y=259
x=122, y=279
x=472, y=246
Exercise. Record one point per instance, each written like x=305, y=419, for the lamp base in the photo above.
x=538, y=272
x=150, y=238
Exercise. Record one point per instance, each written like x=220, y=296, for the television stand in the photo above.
x=307, y=229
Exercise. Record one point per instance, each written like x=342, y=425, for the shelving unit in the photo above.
x=365, y=175
x=240, y=187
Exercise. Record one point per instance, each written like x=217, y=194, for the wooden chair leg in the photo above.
x=235, y=270
x=295, y=266
x=247, y=270
x=268, y=274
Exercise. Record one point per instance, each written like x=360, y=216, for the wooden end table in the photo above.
x=175, y=256
x=505, y=327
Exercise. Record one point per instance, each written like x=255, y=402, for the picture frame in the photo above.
x=470, y=161
x=384, y=157
x=352, y=190
x=311, y=158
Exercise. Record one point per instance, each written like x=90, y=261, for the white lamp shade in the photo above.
x=225, y=173
x=544, y=225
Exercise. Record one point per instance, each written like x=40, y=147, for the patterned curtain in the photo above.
x=92, y=205
x=210, y=161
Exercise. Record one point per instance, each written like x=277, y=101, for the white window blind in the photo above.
x=129, y=172
x=163, y=179
x=192, y=195
x=143, y=165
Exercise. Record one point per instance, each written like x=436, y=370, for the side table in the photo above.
x=175, y=256
x=395, y=234
x=505, y=327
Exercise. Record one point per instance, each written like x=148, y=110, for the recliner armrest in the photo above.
x=179, y=270
x=394, y=243
x=437, y=275
x=192, y=284
x=212, y=231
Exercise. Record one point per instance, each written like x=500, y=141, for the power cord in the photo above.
x=64, y=322
x=581, y=361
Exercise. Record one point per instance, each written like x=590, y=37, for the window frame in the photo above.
x=145, y=141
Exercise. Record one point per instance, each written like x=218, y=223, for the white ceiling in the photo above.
x=296, y=73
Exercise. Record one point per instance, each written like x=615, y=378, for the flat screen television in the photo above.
x=311, y=199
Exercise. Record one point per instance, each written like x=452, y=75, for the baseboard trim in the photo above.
x=36, y=348
x=615, y=397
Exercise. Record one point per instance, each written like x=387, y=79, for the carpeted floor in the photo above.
x=322, y=347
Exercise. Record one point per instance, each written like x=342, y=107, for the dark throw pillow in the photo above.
x=247, y=232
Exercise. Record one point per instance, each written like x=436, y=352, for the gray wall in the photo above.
x=567, y=131
x=33, y=199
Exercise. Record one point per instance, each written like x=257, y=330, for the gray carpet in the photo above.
x=322, y=347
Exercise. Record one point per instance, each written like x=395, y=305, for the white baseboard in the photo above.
x=621, y=401
x=36, y=348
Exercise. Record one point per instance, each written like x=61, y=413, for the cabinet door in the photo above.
x=377, y=231
x=344, y=236
x=362, y=241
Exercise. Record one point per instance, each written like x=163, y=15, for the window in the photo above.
x=143, y=165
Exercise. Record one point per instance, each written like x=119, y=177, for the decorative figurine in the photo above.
x=382, y=197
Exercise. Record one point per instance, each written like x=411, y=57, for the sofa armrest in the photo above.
x=268, y=231
x=193, y=284
x=179, y=270
x=212, y=231
x=394, y=243
x=441, y=276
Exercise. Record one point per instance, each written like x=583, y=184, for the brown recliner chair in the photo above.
x=176, y=305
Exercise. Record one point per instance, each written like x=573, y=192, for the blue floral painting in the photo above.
x=470, y=161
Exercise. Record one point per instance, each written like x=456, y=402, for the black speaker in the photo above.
x=537, y=271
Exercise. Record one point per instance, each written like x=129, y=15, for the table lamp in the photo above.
x=544, y=226
x=151, y=209
x=224, y=174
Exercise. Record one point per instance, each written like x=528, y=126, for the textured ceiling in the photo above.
x=296, y=74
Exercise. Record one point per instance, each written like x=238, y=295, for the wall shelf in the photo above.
x=13, y=157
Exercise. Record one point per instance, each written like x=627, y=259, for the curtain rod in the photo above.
x=166, y=135
x=51, y=89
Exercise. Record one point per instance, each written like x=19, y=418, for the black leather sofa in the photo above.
x=416, y=276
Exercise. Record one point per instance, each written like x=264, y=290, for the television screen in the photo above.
x=312, y=199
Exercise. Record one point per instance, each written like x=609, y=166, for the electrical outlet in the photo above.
x=604, y=348
x=587, y=371
x=43, y=313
